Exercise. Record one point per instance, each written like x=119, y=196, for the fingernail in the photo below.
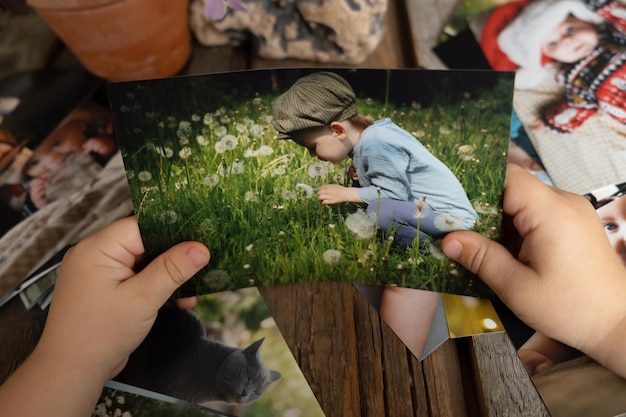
x=197, y=257
x=452, y=248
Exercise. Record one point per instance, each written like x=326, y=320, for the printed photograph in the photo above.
x=61, y=172
x=307, y=175
x=226, y=355
x=569, y=89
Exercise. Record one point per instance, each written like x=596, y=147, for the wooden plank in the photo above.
x=504, y=385
x=444, y=382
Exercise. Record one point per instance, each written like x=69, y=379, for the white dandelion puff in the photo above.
x=317, y=169
x=169, y=217
x=265, y=150
x=331, y=256
x=230, y=142
x=289, y=194
x=144, y=176
x=216, y=279
x=250, y=153
x=237, y=168
x=465, y=152
x=434, y=248
x=202, y=141
x=305, y=190
x=361, y=224
x=219, y=147
x=211, y=180
x=250, y=196
x=165, y=152
x=220, y=131
x=448, y=223
x=185, y=152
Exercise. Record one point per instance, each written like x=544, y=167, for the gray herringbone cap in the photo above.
x=315, y=100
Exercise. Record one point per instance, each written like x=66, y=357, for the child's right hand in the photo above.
x=38, y=188
x=566, y=282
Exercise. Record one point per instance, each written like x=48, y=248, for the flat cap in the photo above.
x=314, y=100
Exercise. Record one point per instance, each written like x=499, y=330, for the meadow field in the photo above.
x=204, y=165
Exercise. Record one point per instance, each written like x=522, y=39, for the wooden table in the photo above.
x=355, y=364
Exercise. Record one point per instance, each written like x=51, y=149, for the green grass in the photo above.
x=253, y=212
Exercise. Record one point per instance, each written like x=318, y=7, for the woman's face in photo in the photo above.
x=613, y=218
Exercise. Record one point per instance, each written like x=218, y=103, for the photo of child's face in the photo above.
x=570, y=41
x=329, y=145
x=56, y=149
x=613, y=218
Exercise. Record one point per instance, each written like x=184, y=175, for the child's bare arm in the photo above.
x=566, y=282
x=100, y=312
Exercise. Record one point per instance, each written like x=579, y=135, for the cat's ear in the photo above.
x=253, y=349
x=274, y=376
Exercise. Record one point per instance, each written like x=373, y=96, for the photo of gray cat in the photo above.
x=225, y=356
x=177, y=359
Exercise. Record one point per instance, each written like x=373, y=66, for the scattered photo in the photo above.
x=242, y=162
x=226, y=355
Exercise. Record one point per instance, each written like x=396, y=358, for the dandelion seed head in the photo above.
x=237, y=168
x=185, y=152
x=169, y=216
x=331, y=256
x=211, y=180
x=434, y=248
x=317, y=169
x=361, y=224
x=230, y=142
x=250, y=196
x=216, y=279
x=289, y=194
x=305, y=189
x=465, y=152
x=220, y=131
x=144, y=176
x=448, y=223
x=219, y=147
x=202, y=141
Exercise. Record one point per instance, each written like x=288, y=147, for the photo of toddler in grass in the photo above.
x=404, y=186
x=207, y=160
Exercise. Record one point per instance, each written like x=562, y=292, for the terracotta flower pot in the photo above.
x=122, y=39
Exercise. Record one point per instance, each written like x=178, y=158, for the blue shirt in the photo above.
x=390, y=158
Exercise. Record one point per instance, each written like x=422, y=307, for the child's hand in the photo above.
x=38, y=188
x=101, y=145
x=334, y=194
x=102, y=309
x=534, y=362
x=567, y=282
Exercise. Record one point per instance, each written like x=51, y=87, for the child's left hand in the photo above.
x=102, y=309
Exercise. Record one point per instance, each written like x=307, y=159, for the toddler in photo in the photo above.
x=404, y=186
x=70, y=157
x=584, y=41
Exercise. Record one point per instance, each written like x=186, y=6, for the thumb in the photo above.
x=161, y=277
x=492, y=262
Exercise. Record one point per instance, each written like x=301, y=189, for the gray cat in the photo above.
x=177, y=359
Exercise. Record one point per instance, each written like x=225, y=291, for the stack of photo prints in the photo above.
x=237, y=161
